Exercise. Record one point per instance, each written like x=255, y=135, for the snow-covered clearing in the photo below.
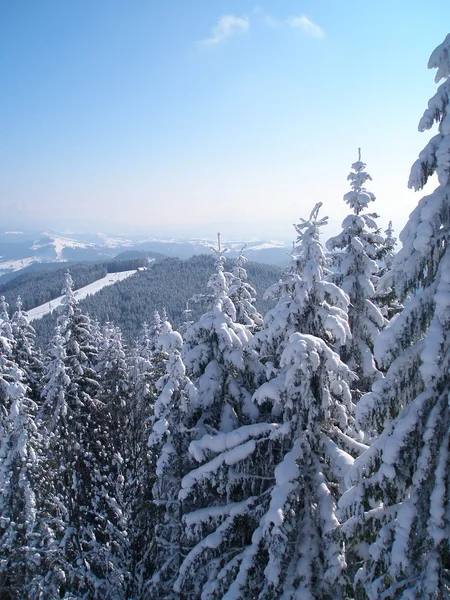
x=91, y=289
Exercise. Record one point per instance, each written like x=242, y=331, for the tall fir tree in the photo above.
x=398, y=522
x=354, y=259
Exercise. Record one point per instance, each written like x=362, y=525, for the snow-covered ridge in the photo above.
x=59, y=243
x=16, y=265
x=23, y=249
x=93, y=288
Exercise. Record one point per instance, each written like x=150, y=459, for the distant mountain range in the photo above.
x=20, y=250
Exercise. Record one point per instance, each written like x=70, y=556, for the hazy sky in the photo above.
x=189, y=116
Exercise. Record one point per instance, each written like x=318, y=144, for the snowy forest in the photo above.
x=303, y=454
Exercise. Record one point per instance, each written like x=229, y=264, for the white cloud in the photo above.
x=227, y=26
x=306, y=25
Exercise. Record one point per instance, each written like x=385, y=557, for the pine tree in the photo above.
x=354, y=256
x=398, y=523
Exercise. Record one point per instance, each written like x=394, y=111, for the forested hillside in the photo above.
x=168, y=285
x=39, y=286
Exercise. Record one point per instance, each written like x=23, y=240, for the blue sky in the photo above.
x=186, y=117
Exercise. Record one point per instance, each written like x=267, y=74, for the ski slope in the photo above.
x=88, y=290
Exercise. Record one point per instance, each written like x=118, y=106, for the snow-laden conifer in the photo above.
x=27, y=356
x=19, y=541
x=8, y=383
x=5, y=321
x=168, y=441
x=219, y=358
x=398, y=519
x=274, y=533
x=87, y=549
x=385, y=296
x=140, y=464
x=242, y=294
x=225, y=371
x=354, y=256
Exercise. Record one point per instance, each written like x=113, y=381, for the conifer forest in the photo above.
x=300, y=454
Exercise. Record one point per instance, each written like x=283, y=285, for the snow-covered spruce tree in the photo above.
x=26, y=355
x=386, y=252
x=225, y=371
x=169, y=441
x=19, y=482
x=398, y=516
x=8, y=379
x=219, y=358
x=242, y=294
x=140, y=464
x=5, y=321
x=54, y=489
x=87, y=551
x=354, y=256
x=385, y=296
x=112, y=370
x=273, y=533
x=151, y=348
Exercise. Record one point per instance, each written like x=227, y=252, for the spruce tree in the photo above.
x=168, y=441
x=398, y=523
x=274, y=531
x=27, y=356
x=354, y=256
x=242, y=294
x=88, y=550
x=19, y=480
x=5, y=321
x=140, y=464
x=225, y=371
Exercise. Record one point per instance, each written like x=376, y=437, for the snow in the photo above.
x=113, y=242
x=228, y=441
x=266, y=245
x=59, y=243
x=89, y=290
x=231, y=457
x=16, y=265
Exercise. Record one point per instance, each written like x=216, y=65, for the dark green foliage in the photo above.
x=166, y=284
x=43, y=285
x=38, y=287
